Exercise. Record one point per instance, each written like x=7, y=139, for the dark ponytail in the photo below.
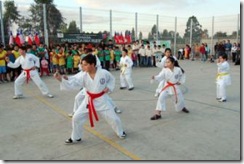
x=176, y=63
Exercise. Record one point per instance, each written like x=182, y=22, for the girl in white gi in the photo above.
x=29, y=63
x=173, y=77
x=223, y=77
x=126, y=70
x=97, y=82
x=161, y=65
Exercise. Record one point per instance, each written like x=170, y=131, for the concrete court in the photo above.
x=35, y=127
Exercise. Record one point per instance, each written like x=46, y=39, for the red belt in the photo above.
x=27, y=74
x=169, y=84
x=91, y=107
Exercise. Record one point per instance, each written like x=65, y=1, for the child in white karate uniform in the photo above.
x=161, y=65
x=173, y=76
x=126, y=71
x=223, y=77
x=97, y=82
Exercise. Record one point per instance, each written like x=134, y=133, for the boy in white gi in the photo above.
x=126, y=70
x=223, y=77
x=161, y=65
x=97, y=82
x=70, y=83
x=29, y=63
x=173, y=77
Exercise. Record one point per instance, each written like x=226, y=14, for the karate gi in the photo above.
x=27, y=63
x=103, y=79
x=161, y=65
x=73, y=84
x=126, y=71
x=223, y=79
x=171, y=77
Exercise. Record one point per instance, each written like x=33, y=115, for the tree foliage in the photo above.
x=10, y=16
x=54, y=17
x=140, y=36
x=73, y=28
x=196, y=30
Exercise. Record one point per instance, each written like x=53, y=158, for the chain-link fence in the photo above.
x=177, y=30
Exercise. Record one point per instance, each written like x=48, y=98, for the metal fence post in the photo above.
x=212, y=38
x=191, y=33
x=136, y=37
x=2, y=29
x=175, y=36
x=45, y=24
x=110, y=24
x=237, y=33
x=157, y=28
x=81, y=20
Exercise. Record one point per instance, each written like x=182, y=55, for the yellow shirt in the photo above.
x=54, y=58
x=16, y=54
x=112, y=55
x=3, y=55
x=61, y=59
x=76, y=60
x=95, y=52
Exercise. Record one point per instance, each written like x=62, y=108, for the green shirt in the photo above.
x=117, y=54
x=100, y=55
x=69, y=63
x=107, y=55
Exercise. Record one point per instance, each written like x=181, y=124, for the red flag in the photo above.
x=116, y=38
x=122, y=39
x=37, y=39
x=30, y=39
x=128, y=38
x=17, y=39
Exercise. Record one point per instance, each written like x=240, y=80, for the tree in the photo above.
x=153, y=33
x=63, y=27
x=150, y=36
x=54, y=16
x=73, y=28
x=220, y=35
x=140, y=36
x=165, y=34
x=11, y=15
x=196, y=30
x=205, y=34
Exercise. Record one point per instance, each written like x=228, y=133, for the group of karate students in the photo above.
x=95, y=84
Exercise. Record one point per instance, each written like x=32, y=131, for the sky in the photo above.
x=184, y=8
x=96, y=13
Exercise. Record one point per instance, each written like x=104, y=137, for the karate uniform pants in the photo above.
x=161, y=103
x=36, y=79
x=80, y=118
x=221, y=91
x=160, y=86
x=125, y=79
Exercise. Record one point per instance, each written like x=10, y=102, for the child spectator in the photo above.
x=2, y=64
x=10, y=71
x=69, y=63
x=61, y=61
x=44, y=66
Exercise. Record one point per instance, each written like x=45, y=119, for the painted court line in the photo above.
x=94, y=132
